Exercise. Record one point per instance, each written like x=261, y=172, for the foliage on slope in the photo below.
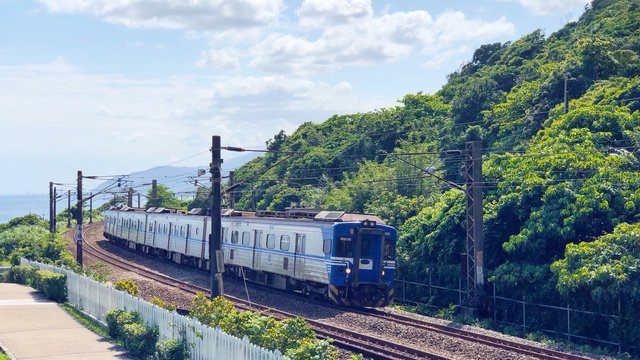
x=553, y=181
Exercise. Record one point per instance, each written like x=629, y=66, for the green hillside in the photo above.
x=561, y=191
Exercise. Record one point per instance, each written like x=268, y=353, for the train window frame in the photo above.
x=182, y=231
x=246, y=238
x=234, y=237
x=326, y=246
x=197, y=231
x=282, y=242
x=271, y=241
x=225, y=235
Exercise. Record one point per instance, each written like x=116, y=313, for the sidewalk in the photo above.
x=32, y=327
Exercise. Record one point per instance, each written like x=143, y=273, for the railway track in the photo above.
x=346, y=339
x=501, y=343
x=367, y=345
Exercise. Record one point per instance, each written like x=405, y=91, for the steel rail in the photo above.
x=343, y=338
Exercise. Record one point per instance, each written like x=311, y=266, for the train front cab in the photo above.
x=362, y=264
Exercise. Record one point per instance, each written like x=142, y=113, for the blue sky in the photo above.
x=113, y=87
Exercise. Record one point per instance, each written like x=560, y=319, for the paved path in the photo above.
x=33, y=328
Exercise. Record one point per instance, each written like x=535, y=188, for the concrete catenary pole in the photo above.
x=79, y=209
x=51, y=214
x=216, y=259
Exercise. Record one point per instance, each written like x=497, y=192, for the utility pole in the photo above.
x=154, y=193
x=566, y=93
x=69, y=208
x=79, y=209
x=90, y=208
x=232, y=198
x=216, y=257
x=130, y=197
x=55, y=208
x=138, y=200
x=474, y=271
x=51, y=214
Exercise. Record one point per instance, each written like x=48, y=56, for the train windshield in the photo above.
x=345, y=247
x=365, y=245
x=389, y=250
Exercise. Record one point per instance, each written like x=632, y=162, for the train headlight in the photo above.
x=348, y=271
x=382, y=272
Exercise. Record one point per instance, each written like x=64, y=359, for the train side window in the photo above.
x=284, y=242
x=150, y=227
x=234, y=237
x=271, y=241
x=182, y=231
x=225, y=235
x=326, y=246
x=197, y=231
x=246, y=238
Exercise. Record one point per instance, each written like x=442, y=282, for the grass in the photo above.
x=4, y=356
x=87, y=322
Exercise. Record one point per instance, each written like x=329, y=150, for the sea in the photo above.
x=12, y=206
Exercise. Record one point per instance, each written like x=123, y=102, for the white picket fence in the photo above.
x=95, y=299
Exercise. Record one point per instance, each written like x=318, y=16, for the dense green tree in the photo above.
x=606, y=272
x=166, y=198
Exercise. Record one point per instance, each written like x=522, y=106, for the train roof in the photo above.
x=290, y=214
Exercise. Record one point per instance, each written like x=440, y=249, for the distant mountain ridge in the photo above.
x=179, y=179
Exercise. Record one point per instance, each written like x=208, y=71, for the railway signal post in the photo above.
x=216, y=260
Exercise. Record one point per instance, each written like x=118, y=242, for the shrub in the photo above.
x=53, y=284
x=128, y=286
x=139, y=339
x=22, y=274
x=174, y=349
x=118, y=319
x=163, y=304
x=112, y=322
x=313, y=349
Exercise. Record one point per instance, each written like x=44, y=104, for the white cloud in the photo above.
x=202, y=15
x=388, y=38
x=321, y=13
x=547, y=7
x=76, y=120
x=227, y=58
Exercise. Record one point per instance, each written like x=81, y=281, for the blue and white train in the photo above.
x=349, y=258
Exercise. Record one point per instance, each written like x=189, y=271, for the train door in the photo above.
x=298, y=270
x=145, y=229
x=186, y=240
x=154, y=232
x=257, y=244
x=368, y=255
